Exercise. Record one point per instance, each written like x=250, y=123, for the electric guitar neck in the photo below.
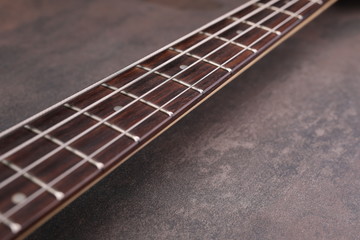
x=51, y=158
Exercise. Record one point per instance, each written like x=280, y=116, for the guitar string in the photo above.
x=16, y=208
x=267, y=34
x=48, y=155
x=38, y=161
x=192, y=34
x=123, y=70
x=33, y=139
x=167, y=103
x=201, y=79
x=204, y=77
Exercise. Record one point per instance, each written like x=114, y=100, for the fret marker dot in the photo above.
x=182, y=67
x=117, y=108
x=239, y=31
x=18, y=198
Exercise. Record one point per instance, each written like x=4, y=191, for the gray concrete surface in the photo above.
x=274, y=155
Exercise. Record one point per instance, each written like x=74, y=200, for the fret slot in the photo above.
x=172, y=78
x=137, y=98
x=36, y=181
x=114, y=127
x=57, y=141
x=13, y=226
x=202, y=59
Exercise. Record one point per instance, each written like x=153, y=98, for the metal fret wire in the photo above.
x=31, y=140
x=145, y=93
x=305, y=7
x=54, y=181
x=234, y=38
x=35, y=163
x=88, y=130
x=14, y=227
x=139, y=78
x=223, y=63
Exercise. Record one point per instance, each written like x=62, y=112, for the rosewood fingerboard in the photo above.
x=48, y=160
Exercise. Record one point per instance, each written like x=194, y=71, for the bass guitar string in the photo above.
x=36, y=162
x=33, y=139
x=88, y=130
x=75, y=115
x=12, y=211
x=200, y=80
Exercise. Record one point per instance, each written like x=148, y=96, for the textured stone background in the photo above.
x=274, y=155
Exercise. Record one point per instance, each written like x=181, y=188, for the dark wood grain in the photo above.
x=128, y=118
